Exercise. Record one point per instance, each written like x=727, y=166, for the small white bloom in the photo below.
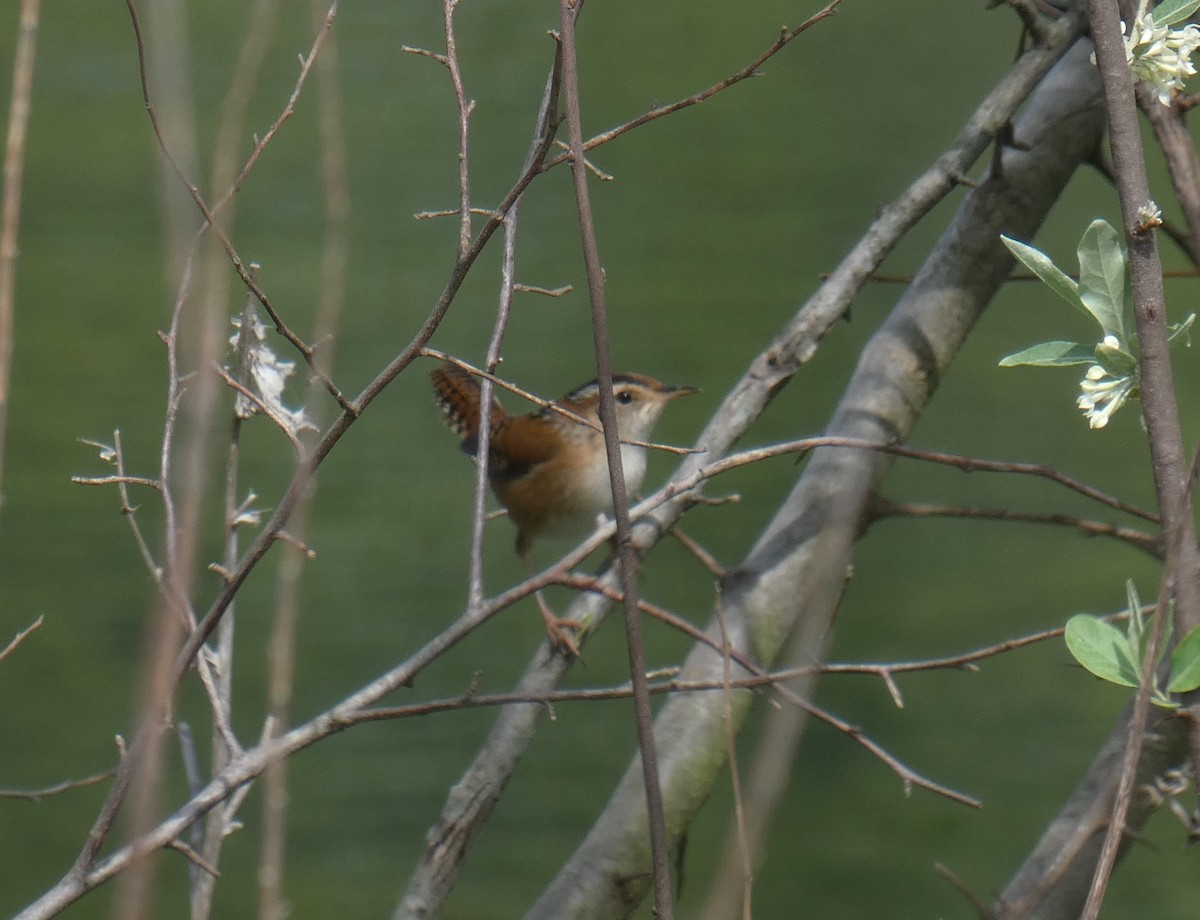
x=1149, y=215
x=1102, y=394
x=1160, y=55
x=108, y=453
x=268, y=376
x=247, y=515
x=248, y=518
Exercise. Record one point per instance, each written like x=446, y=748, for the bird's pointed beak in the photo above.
x=674, y=391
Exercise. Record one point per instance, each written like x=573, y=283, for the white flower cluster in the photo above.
x=1103, y=391
x=1159, y=54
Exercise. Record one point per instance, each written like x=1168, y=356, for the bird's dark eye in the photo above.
x=624, y=397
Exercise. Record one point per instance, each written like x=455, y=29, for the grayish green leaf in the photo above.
x=1102, y=277
x=1170, y=12
x=1051, y=354
x=1185, y=664
x=1176, y=330
x=1102, y=649
x=1116, y=361
x=1039, y=263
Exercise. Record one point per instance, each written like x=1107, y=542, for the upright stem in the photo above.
x=626, y=556
x=1159, y=407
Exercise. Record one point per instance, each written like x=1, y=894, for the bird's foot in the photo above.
x=560, y=631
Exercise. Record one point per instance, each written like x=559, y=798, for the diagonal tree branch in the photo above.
x=791, y=579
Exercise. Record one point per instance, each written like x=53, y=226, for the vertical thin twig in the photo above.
x=464, y=117
x=626, y=555
x=547, y=125
x=216, y=826
x=1159, y=408
x=10, y=202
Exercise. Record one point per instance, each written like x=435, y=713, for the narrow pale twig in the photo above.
x=212, y=838
x=129, y=511
x=261, y=405
x=36, y=795
x=1147, y=543
x=546, y=127
x=907, y=775
x=117, y=480
x=975, y=464
x=10, y=197
x=545, y=292
x=588, y=164
x=194, y=858
x=982, y=910
x=464, y=122
x=21, y=637
x=193, y=776
x=457, y=212
x=561, y=571
x=706, y=559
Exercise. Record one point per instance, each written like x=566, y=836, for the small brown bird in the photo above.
x=548, y=470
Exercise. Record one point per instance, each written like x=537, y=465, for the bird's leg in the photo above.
x=558, y=628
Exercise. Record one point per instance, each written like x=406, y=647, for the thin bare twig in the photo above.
x=1147, y=543
x=21, y=637
x=1159, y=409
x=244, y=390
x=36, y=795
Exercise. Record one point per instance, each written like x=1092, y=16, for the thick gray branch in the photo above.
x=791, y=578
x=475, y=795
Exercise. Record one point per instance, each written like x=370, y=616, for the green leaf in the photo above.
x=1170, y=12
x=1102, y=277
x=1116, y=361
x=1039, y=263
x=1051, y=354
x=1102, y=649
x=1175, y=330
x=1185, y=664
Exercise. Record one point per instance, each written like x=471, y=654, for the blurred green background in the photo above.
x=717, y=226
